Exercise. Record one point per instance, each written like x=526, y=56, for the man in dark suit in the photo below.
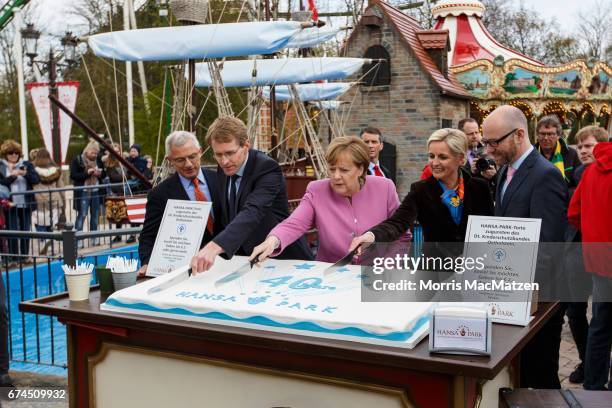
x=252, y=197
x=529, y=186
x=373, y=139
x=190, y=182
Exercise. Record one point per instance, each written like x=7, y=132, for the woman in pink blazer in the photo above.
x=341, y=207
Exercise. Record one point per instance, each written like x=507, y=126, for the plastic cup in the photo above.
x=122, y=280
x=105, y=278
x=78, y=286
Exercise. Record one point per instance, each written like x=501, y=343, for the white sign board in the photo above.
x=511, y=251
x=179, y=235
x=460, y=330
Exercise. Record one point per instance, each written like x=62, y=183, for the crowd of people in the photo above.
x=499, y=172
x=494, y=172
x=26, y=202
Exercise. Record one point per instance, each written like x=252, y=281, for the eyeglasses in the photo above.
x=12, y=153
x=181, y=161
x=227, y=155
x=544, y=135
x=496, y=142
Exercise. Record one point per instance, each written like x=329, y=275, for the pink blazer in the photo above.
x=338, y=220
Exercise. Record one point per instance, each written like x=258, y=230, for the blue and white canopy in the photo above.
x=196, y=42
x=239, y=73
x=331, y=105
x=310, y=92
x=309, y=37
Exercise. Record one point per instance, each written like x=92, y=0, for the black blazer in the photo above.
x=538, y=190
x=171, y=188
x=423, y=203
x=261, y=205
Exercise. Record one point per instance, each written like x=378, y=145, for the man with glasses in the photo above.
x=529, y=186
x=554, y=148
x=252, y=197
x=190, y=182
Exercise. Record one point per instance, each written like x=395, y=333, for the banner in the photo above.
x=67, y=94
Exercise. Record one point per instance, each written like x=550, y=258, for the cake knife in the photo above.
x=232, y=276
x=181, y=277
x=344, y=261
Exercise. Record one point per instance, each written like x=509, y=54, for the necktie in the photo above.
x=377, y=171
x=511, y=171
x=199, y=196
x=232, y=197
x=509, y=175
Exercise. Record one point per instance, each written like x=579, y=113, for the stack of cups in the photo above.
x=78, y=279
x=125, y=271
x=105, y=279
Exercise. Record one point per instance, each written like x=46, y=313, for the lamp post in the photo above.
x=69, y=42
x=162, y=5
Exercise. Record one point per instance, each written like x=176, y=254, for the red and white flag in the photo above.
x=312, y=7
x=67, y=93
x=136, y=208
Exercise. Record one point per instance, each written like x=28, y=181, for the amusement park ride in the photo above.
x=579, y=92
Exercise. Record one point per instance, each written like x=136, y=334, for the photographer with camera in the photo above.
x=478, y=163
x=18, y=176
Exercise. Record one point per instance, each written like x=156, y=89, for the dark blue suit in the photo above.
x=261, y=203
x=538, y=190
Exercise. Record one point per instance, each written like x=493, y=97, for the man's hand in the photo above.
x=205, y=259
x=489, y=173
x=142, y=271
x=264, y=249
x=362, y=241
x=473, y=168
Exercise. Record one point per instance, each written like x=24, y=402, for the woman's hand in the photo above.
x=361, y=242
x=265, y=249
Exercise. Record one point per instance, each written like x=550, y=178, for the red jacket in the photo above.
x=590, y=211
x=426, y=172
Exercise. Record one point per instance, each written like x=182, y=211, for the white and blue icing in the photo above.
x=282, y=294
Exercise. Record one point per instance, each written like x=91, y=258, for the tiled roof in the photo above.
x=408, y=28
x=433, y=39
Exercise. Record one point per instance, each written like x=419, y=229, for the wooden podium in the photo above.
x=119, y=359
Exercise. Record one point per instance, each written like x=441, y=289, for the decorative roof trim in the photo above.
x=458, y=7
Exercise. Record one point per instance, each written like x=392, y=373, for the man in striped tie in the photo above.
x=190, y=182
x=373, y=139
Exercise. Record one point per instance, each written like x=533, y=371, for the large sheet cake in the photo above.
x=282, y=295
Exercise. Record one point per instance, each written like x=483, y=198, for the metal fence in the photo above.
x=41, y=340
x=57, y=207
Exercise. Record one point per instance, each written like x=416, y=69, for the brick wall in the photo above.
x=407, y=111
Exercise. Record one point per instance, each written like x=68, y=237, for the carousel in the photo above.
x=578, y=92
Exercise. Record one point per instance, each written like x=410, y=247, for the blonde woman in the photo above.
x=442, y=202
x=48, y=206
x=87, y=169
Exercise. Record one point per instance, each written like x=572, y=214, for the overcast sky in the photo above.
x=51, y=11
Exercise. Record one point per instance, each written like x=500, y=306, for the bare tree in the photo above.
x=594, y=31
x=525, y=31
x=94, y=14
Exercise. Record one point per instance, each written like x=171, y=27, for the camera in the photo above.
x=21, y=167
x=483, y=164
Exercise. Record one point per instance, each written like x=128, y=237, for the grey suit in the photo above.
x=538, y=190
